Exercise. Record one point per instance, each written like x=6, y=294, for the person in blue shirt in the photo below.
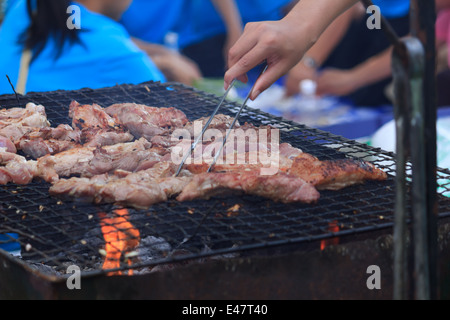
x=152, y=20
x=214, y=26
x=42, y=54
x=350, y=60
x=154, y=26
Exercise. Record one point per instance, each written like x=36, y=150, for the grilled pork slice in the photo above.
x=31, y=116
x=96, y=127
x=66, y=163
x=334, y=174
x=16, y=169
x=89, y=162
x=15, y=132
x=7, y=145
x=37, y=148
x=84, y=189
x=280, y=187
x=90, y=116
x=38, y=142
x=261, y=159
x=145, y=121
x=42, y=141
x=139, y=190
x=80, y=161
x=100, y=138
x=288, y=151
x=220, y=122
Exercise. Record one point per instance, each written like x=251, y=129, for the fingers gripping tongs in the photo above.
x=200, y=137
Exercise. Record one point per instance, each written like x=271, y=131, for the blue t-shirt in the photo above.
x=392, y=9
x=205, y=22
x=105, y=56
x=152, y=20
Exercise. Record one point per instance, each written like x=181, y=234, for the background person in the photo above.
x=443, y=43
x=215, y=25
x=350, y=60
x=154, y=25
x=101, y=54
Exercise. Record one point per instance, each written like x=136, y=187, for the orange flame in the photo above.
x=121, y=238
x=332, y=227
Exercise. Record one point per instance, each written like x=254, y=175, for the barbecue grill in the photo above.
x=226, y=247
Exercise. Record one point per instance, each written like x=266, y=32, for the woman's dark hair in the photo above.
x=48, y=19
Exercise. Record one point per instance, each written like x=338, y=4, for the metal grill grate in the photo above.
x=55, y=233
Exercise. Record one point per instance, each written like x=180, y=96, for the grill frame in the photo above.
x=321, y=144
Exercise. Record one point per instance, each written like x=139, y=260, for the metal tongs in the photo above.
x=217, y=154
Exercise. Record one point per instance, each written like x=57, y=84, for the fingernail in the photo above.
x=255, y=94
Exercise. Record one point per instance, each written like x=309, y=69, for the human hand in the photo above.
x=178, y=68
x=281, y=44
x=297, y=74
x=271, y=41
x=232, y=37
x=336, y=82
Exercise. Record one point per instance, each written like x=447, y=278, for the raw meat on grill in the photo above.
x=38, y=147
x=85, y=162
x=324, y=175
x=37, y=142
x=139, y=190
x=17, y=122
x=220, y=122
x=66, y=163
x=145, y=121
x=143, y=189
x=128, y=157
x=99, y=138
x=42, y=141
x=90, y=116
x=255, y=156
x=16, y=169
x=84, y=189
x=96, y=126
x=334, y=174
x=280, y=187
x=190, y=132
x=166, y=142
x=7, y=145
x=62, y=132
x=31, y=116
x=242, y=162
x=103, y=165
x=288, y=151
x=15, y=132
x=89, y=162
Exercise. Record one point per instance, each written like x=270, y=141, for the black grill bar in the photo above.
x=57, y=233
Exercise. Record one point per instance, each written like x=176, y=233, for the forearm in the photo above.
x=317, y=15
x=374, y=69
x=330, y=38
x=150, y=48
x=230, y=15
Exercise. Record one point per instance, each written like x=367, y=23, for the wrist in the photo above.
x=355, y=78
x=310, y=62
x=308, y=31
x=362, y=77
